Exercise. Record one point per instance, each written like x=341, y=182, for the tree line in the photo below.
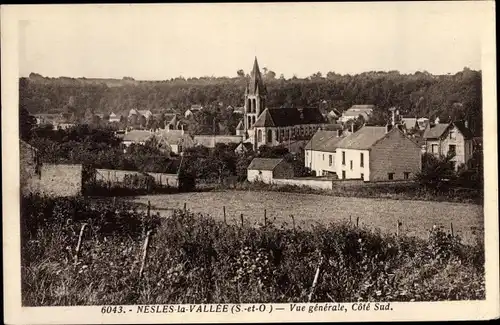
x=449, y=97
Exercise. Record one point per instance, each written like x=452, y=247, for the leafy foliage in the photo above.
x=195, y=259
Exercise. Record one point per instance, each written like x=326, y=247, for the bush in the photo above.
x=196, y=259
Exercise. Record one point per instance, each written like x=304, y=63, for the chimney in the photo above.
x=352, y=127
x=339, y=133
x=182, y=129
x=436, y=121
x=466, y=124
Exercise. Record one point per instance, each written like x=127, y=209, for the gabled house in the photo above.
x=137, y=137
x=377, y=153
x=267, y=169
x=422, y=123
x=454, y=138
x=320, y=152
x=410, y=123
x=176, y=140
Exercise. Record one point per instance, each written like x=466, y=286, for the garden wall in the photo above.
x=60, y=180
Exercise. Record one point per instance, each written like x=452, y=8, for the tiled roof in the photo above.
x=435, y=131
x=364, y=138
x=264, y=163
x=324, y=141
x=278, y=117
x=138, y=136
x=332, y=127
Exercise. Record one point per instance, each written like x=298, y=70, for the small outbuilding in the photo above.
x=267, y=169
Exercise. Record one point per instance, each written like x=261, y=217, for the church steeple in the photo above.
x=256, y=81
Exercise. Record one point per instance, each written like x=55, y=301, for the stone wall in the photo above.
x=322, y=184
x=118, y=176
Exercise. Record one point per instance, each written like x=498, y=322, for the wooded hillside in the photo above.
x=420, y=94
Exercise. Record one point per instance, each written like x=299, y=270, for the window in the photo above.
x=259, y=135
x=269, y=136
x=343, y=174
x=343, y=158
x=406, y=175
x=434, y=148
x=276, y=136
x=362, y=176
x=362, y=158
x=351, y=164
x=452, y=134
x=390, y=176
x=330, y=159
x=452, y=149
x=323, y=156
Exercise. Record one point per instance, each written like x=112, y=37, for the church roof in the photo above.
x=280, y=117
x=256, y=84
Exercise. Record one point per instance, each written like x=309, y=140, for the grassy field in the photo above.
x=416, y=216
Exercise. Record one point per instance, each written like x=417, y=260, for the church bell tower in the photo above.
x=255, y=98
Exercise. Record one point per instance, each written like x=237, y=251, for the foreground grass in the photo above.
x=195, y=259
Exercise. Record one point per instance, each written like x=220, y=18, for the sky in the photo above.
x=158, y=42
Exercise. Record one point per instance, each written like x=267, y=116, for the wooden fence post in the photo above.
x=316, y=276
x=265, y=217
x=397, y=229
x=293, y=222
x=357, y=221
x=185, y=207
x=78, y=245
x=145, y=253
x=241, y=216
x=451, y=226
x=224, y=212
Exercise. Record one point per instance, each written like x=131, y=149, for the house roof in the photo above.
x=210, y=141
x=244, y=146
x=364, y=138
x=145, y=112
x=239, y=110
x=138, y=136
x=324, y=141
x=264, y=163
x=435, y=131
x=277, y=117
x=355, y=114
x=175, y=137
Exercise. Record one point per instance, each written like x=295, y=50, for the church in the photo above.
x=274, y=126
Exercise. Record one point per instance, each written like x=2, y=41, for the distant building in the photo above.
x=113, y=118
x=192, y=110
x=267, y=169
x=320, y=152
x=209, y=141
x=240, y=129
x=454, y=138
x=375, y=153
x=145, y=112
x=137, y=137
x=176, y=140
x=422, y=123
x=355, y=111
x=410, y=123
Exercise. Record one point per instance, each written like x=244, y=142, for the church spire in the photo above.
x=256, y=81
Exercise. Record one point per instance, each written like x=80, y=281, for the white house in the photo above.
x=320, y=152
x=176, y=140
x=378, y=153
x=114, y=118
x=267, y=169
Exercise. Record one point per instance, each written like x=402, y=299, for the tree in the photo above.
x=26, y=123
x=270, y=74
x=437, y=172
x=240, y=73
